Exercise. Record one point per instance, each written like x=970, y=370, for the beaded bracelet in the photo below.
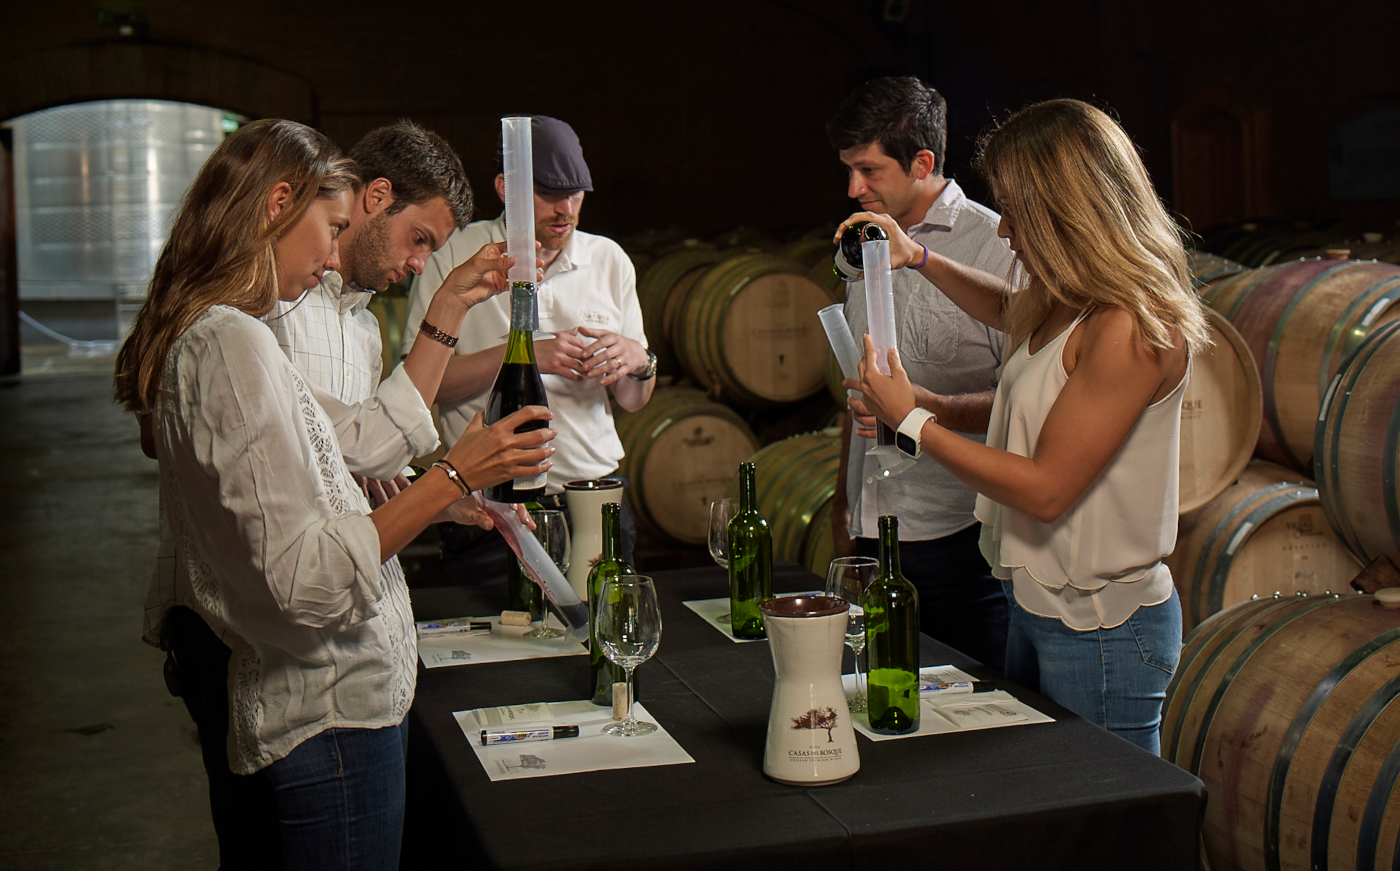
x=457, y=479
x=438, y=335
x=921, y=262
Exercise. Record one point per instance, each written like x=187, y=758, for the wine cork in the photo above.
x=619, y=701
x=515, y=618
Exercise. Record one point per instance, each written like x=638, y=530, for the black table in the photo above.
x=1057, y=795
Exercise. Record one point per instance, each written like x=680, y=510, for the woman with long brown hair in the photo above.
x=276, y=549
x=1078, y=478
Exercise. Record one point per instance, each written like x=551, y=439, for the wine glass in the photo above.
x=552, y=531
x=720, y=511
x=847, y=577
x=629, y=629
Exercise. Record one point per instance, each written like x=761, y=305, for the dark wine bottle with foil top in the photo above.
x=892, y=641
x=849, y=259
x=518, y=384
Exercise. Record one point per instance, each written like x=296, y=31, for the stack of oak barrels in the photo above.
x=742, y=359
x=1282, y=701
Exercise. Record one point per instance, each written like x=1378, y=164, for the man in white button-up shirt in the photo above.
x=587, y=301
x=890, y=133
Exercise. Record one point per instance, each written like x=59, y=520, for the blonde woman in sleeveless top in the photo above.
x=1077, y=482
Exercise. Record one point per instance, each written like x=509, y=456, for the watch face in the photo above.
x=906, y=444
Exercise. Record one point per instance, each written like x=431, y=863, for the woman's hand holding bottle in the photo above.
x=903, y=250
x=490, y=455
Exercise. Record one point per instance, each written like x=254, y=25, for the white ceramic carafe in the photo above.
x=811, y=740
x=585, y=500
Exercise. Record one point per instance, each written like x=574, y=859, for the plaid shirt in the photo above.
x=332, y=338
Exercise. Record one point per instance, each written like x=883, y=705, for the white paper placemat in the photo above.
x=469, y=649
x=590, y=751
x=960, y=713
x=710, y=610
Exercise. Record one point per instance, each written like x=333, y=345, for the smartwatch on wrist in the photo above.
x=907, y=436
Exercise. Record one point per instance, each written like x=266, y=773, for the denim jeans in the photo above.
x=334, y=802
x=1116, y=678
x=960, y=603
x=340, y=799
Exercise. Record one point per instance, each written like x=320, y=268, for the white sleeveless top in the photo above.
x=1102, y=559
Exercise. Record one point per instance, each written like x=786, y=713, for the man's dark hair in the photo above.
x=900, y=113
x=419, y=164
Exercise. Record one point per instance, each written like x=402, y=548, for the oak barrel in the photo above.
x=661, y=291
x=796, y=483
x=1357, y=453
x=1286, y=709
x=1264, y=533
x=1206, y=267
x=682, y=449
x=1300, y=322
x=1220, y=416
x=749, y=330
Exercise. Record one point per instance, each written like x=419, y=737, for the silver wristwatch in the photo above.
x=649, y=372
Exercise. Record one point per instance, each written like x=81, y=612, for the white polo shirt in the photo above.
x=591, y=283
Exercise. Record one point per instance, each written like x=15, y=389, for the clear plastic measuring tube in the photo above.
x=843, y=344
x=571, y=609
x=518, y=157
x=879, y=300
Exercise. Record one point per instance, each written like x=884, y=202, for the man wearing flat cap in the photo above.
x=587, y=302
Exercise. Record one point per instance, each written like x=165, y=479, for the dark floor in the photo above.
x=99, y=764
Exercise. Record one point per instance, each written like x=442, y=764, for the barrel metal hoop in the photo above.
x=1351, y=374
x=1264, y=272
x=1190, y=653
x=1336, y=769
x=1371, y=819
x=1273, y=805
x=1271, y=355
x=1270, y=606
x=1262, y=512
x=1234, y=671
x=1343, y=333
x=1198, y=577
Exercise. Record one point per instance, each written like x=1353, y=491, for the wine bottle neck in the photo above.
x=748, y=488
x=889, y=546
x=520, y=347
x=612, y=531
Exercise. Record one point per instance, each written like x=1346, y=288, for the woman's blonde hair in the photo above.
x=220, y=251
x=1089, y=223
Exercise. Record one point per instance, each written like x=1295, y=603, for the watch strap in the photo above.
x=908, y=435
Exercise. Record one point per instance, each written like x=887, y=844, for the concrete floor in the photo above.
x=99, y=765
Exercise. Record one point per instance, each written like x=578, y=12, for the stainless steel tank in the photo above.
x=97, y=189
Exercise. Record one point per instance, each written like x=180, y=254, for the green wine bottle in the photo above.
x=750, y=560
x=518, y=384
x=892, y=641
x=602, y=671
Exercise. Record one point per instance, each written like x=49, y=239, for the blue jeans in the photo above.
x=340, y=799
x=1116, y=678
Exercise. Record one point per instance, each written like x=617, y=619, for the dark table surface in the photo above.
x=1056, y=795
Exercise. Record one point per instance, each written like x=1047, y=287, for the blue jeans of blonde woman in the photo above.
x=1115, y=678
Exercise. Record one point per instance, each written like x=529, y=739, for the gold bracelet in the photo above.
x=436, y=334
x=452, y=475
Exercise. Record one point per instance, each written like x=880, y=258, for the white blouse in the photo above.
x=1102, y=559
x=274, y=547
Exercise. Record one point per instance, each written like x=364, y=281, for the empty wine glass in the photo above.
x=552, y=531
x=629, y=629
x=847, y=577
x=720, y=511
